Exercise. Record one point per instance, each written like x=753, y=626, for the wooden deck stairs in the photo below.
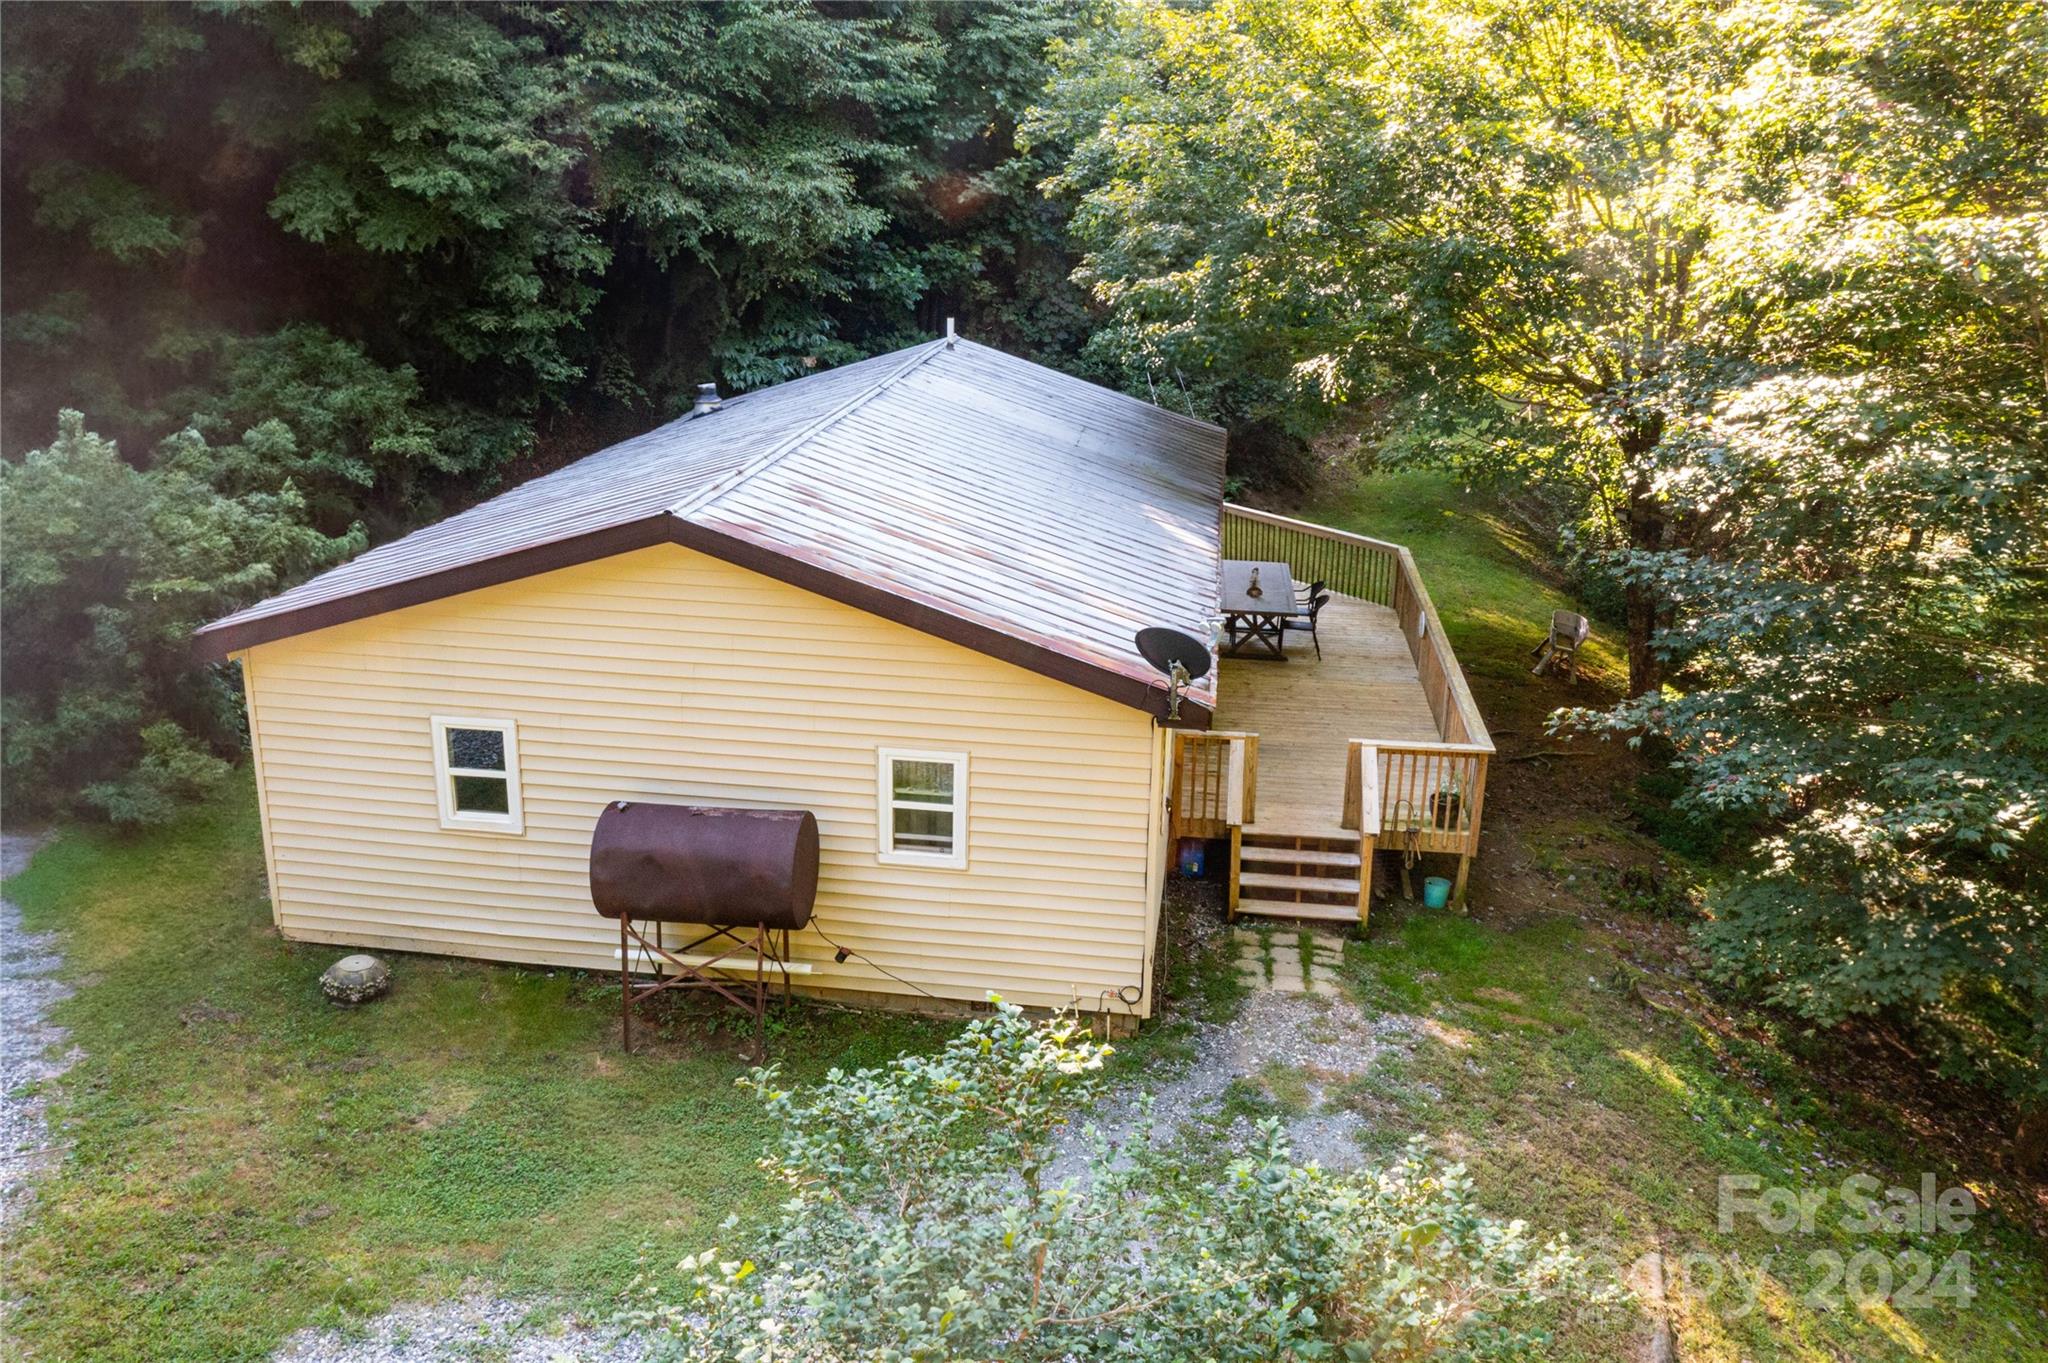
x=1299, y=872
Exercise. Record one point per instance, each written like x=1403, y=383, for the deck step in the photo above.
x=1267, y=880
x=1287, y=908
x=1271, y=833
x=1300, y=856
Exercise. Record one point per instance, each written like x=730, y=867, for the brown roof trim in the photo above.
x=920, y=615
x=215, y=642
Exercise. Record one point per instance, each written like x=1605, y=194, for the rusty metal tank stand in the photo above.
x=692, y=971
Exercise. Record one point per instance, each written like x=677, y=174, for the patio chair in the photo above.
x=1315, y=608
x=1304, y=595
x=1560, y=649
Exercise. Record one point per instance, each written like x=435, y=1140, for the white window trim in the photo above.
x=513, y=821
x=885, y=822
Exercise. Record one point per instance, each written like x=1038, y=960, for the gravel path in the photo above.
x=1326, y=1040
x=30, y=1054
x=471, y=1329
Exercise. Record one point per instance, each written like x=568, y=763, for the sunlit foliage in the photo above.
x=1762, y=285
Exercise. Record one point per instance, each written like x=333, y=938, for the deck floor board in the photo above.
x=1306, y=712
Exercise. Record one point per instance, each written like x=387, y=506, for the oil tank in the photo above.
x=704, y=864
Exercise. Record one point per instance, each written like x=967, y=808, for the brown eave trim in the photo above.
x=215, y=643
x=929, y=619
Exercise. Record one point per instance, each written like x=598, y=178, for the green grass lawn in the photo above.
x=1579, y=1107
x=250, y=1159
x=1490, y=584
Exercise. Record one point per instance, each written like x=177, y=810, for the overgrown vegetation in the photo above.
x=921, y=1223
x=1753, y=293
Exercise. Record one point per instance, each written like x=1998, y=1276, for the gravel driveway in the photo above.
x=31, y=1048
x=470, y=1329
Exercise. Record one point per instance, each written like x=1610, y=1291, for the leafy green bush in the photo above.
x=356, y=439
x=924, y=1222
x=108, y=569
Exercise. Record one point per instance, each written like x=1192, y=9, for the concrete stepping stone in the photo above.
x=1279, y=968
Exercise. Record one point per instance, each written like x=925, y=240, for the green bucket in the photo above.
x=1436, y=892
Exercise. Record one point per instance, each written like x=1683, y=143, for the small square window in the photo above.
x=923, y=808
x=476, y=768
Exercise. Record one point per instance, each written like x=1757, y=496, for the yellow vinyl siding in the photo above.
x=667, y=674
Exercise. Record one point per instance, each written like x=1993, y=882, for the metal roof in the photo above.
x=966, y=492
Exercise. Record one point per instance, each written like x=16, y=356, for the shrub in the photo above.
x=923, y=1222
x=108, y=570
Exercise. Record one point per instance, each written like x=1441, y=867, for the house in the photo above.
x=902, y=595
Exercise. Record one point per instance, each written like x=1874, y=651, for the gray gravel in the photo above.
x=1329, y=1040
x=32, y=1049
x=472, y=1329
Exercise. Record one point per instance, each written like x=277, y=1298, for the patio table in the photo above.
x=1257, y=601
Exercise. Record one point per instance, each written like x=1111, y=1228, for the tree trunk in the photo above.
x=2030, y=1143
x=1646, y=609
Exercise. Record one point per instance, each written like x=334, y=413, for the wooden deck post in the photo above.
x=1366, y=844
x=1458, y=888
x=1236, y=855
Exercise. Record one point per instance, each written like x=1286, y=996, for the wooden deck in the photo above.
x=1314, y=765
x=1306, y=711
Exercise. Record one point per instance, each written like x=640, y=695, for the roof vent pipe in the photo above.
x=708, y=400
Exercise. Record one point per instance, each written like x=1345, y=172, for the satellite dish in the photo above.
x=1164, y=647
x=1181, y=656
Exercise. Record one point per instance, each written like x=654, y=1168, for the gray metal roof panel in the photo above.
x=991, y=489
x=1001, y=490
x=637, y=478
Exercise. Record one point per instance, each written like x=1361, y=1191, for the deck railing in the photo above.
x=1375, y=571
x=1428, y=796
x=1352, y=564
x=1215, y=782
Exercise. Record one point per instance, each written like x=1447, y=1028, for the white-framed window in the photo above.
x=476, y=771
x=923, y=807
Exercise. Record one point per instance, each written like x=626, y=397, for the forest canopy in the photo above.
x=1753, y=294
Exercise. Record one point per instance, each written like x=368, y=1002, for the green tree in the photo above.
x=107, y=571
x=525, y=206
x=1764, y=283
x=1502, y=216
x=358, y=442
x=1862, y=625
x=438, y=153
